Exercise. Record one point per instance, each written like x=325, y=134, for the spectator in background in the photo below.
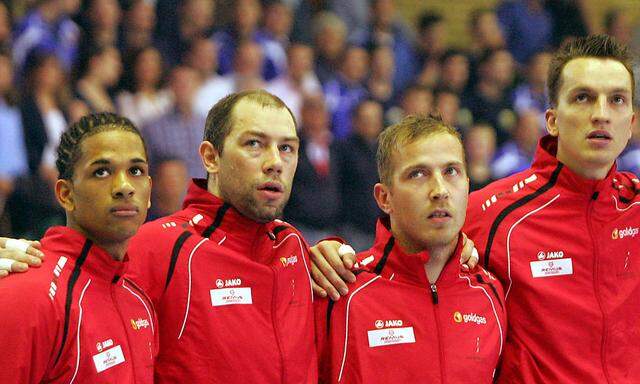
x=138, y=24
x=274, y=37
x=98, y=71
x=415, y=100
x=299, y=81
x=516, y=154
x=387, y=30
x=569, y=20
x=480, y=147
x=329, y=36
x=346, y=90
x=356, y=14
x=380, y=82
x=629, y=160
x=44, y=98
x=195, y=20
x=447, y=104
x=170, y=180
x=102, y=20
x=432, y=34
x=203, y=57
x=5, y=28
x=527, y=27
x=454, y=71
x=47, y=26
x=178, y=133
x=531, y=94
x=357, y=174
x=485, y=31
x=490, y=100
x=315, y=202
x=13, y=156
x=617, y=24
x=142, y=99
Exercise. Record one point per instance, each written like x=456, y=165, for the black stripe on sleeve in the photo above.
x=177, y=246
x=75, y=274
x=217, y=221
x=385, y=255
x=515, y=205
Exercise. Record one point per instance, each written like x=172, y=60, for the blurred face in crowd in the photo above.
x=356, y=64
x=480, y=144
x=197, y=15
x=488, y=32
x=382, y=63
x=6, y=74
x=300, y=61
x=455, y=72
x=248, y=60
x=368, y=120
x=538, y=69
x=499, y=68
x=383, y=13
x=170, y=182
x=148, y=68
x=184, y=84
x=248, y=14
x=141, y=16
x=5, y=23
x=278, y=19
x=108, y=195
x=417, y=102
x=255, y=171
x=427, y=198
x=448, y=104
x=593, y=116
x=49, y=76
x=330, y=41
x=108, y=66
x=433, y=39
x=528, y=130
x=203, y=57
x=105, y=14
x=315, y=119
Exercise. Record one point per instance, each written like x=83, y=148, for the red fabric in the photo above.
x=578, y=327
x=457, y=340
x=270, y=339
x=113, y=317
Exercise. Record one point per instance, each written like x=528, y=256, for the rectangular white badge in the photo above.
x=548, y=268
x=109, y=358
x=390, y=336
x=230, y=296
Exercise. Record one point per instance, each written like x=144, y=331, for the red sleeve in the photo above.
x=320, y=308
x=28, y=329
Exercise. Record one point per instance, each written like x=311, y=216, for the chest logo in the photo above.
x=626, y=232
x=231, y=296
x=469, y=318
x=287, y=261
x=108, y=359
x=139, y=324
x=390, y=336
x=550, y=268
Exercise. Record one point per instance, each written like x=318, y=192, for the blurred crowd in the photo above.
x=346, y=69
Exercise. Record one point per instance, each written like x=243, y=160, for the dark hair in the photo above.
x=220, y=119
x=128, y=79
x=69, y=149
x=598, y=46
x=428, y=19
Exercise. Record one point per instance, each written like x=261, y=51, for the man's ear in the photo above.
x=550, y=118
x=150, y=189
x=210, y=157
x=64, y=194
x=382, y=194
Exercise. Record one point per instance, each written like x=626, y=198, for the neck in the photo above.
x=116, y=250
x=438, y=257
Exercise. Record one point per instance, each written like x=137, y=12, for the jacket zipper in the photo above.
x=596, y=289
x=434, y=299
x=274, y=321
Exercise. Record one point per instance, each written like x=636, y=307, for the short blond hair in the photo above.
x=407, y=131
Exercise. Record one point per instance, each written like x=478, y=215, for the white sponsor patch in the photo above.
x=109, y=358
x=390, y=336
x=548, y=268
x=230, y=296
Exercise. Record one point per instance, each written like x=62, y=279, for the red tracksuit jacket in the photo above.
x=233, y=296
x=398, y=328
x=75, y=319
x=567, y=251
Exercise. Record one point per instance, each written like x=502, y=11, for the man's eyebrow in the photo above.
x=265, y=136
x=103, y=161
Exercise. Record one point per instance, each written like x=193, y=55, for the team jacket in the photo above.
x=75, y=319
x=396, y=327
x=567, y=251
x=233, y=296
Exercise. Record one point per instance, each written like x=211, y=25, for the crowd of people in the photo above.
x=346, y=70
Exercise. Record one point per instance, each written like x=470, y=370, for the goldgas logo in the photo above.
x=287, y=261
x=457, y=317
x=139, y=324
x=626, y=232
x=469, y=318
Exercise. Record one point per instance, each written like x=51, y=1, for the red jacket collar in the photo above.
x=64, y=241
x=545, y=164
x=212, y=212
x=407, y=267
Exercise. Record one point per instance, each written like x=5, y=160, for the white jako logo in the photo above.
x=379, y=324
x=542, y=255
x=219, y=283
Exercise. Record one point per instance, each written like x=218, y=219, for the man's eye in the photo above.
x=618, y=99
x=287, y=148
x=253, y=143
x=101, y=172
x=137, y=171
x=451, y=171
x=582, y=97
x=415, y=174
